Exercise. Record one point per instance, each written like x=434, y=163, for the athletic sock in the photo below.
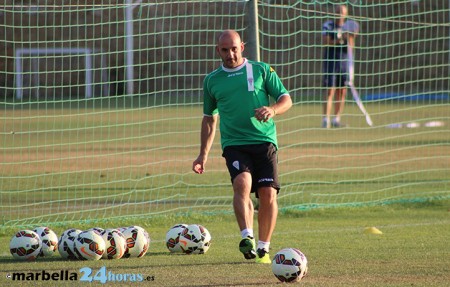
x=263, y=245
x=326, y=123
x=248, y=232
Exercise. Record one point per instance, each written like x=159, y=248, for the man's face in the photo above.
x=230, y=49
x=342, y=13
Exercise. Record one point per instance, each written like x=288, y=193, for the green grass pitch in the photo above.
x=412, y=251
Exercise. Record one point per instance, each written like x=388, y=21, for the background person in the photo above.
x=335, y=70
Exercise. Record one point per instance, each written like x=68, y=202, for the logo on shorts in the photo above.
x=265, y=180
x=236, y=164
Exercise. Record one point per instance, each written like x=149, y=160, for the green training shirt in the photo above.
x=235, y=94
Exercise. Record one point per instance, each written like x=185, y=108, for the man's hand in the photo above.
x=198, y=166
x=263, y=114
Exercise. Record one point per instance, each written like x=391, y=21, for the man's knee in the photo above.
x=242, y=183
x=267, y=194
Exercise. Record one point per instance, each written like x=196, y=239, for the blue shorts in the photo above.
x=335, y=74
x=260, y=160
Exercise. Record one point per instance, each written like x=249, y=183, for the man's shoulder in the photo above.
x=213, y=73
x=258, y=63
x=263, y=66
x=328, y=25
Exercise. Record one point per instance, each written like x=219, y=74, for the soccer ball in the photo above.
x=122, y=229
x=289, y=265
x=66, y=243
x=138, y=241
x=195, y=239
x=173, y=236
x=89, y=245
x=49, y=240
x=99, y=230
x=25, y=245
x=115, y=244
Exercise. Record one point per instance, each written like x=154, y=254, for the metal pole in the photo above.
x=253, y=37
x=19, y=75
x=129, y=49
x=89, y=75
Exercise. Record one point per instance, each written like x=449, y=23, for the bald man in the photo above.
x=247, y=95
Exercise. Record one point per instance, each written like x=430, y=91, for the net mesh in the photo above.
x=112, y=131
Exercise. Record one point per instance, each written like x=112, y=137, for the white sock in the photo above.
x=337, y=119
x=326, y=122
x=248, y=232
x=263, y=245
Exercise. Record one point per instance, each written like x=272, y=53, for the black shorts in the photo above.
x=260, y=160
x=335, y=74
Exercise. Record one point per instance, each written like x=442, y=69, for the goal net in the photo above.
x=116, y=137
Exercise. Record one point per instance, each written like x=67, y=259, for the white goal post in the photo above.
x=33, y=53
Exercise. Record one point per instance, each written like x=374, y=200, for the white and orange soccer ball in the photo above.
x=66, y=243
x=138, y=241
x=25, y=245
x=289, y=265
x=195, y=239
x=49, y=240
x=173, y=237
x=98, y=229
x=89, y=245
x=115, y=244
